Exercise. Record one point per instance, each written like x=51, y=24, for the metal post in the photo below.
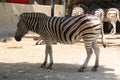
x=65, y=6
x=52, y=7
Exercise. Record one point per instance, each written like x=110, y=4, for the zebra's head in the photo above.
x=21, y=30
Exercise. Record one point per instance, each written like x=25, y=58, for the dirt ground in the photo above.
x=22, y=60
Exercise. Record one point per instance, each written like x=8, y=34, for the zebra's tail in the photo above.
x=103, y=38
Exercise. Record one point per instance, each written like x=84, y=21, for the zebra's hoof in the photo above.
x=81, y=69
x=36, y=44
x=94, y=69
x=4, y=40
x=49, y=68
x=43, y=66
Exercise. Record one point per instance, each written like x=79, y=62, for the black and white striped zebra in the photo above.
x=112, y=15
x=67, y=30
x=97, y=11
x=79, y=9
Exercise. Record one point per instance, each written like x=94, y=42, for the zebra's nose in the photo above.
x=17, y=38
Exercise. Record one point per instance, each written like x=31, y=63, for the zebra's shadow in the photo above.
x=61, y=71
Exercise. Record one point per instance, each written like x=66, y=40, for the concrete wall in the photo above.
x=8, y=20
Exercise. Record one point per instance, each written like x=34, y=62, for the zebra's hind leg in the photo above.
x=89, y=53
x=113, y=31
x=97, y=51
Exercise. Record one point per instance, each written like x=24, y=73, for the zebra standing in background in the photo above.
x=97, y=11
x=79, y=9
x=67, y=30
x=112, y=15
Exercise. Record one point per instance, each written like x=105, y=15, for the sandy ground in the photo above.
x=22, y=60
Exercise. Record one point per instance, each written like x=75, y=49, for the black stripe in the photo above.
x=34, y=21
x=88, y=41
x=52, y=24
x=60, y=35
x=64, y=19
x=49, y=23
x=89, y=33
x=55, y=28
x=89, y=27
x=68, y=22
x=89, y=37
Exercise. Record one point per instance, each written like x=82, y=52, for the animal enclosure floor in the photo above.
x=22, y=60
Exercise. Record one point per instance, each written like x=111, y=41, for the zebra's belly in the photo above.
x=68, y=39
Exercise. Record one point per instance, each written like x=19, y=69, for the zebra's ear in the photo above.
x=17, y=16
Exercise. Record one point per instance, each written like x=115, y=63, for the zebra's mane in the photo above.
x=33, y=15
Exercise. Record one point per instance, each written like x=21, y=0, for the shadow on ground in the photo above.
x=61, y=71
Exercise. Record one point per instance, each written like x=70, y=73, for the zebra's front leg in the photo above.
x=51, y=59
x=45, y=61
x=89, y=53
x=48, y=51
x=97, y=51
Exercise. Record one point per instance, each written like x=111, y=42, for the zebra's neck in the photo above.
x=37, y=25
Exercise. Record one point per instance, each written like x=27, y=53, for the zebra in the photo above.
x=97, y=11
x=65, y=30
x=112, y=15
x=79, y=9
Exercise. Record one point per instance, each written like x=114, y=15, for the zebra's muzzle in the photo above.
x=17, y=38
